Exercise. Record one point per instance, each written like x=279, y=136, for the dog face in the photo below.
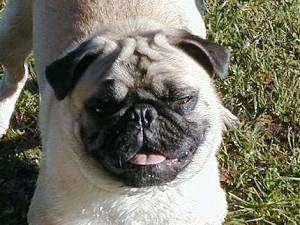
x=146, y=103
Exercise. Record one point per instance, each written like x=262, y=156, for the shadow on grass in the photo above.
x=18, y=173
x=32, y=86
x=19, y=158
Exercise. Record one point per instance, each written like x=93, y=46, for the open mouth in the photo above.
x=148, y=168
x=143, y=159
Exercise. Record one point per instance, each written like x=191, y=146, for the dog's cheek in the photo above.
x=176, y=141
x=88, y=131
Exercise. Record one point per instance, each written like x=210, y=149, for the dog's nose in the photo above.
x=144, y=115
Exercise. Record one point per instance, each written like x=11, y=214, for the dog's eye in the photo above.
x=103, y=108
x=183, y=100
x=185, y=103
x=98, y=110
x=95, y=108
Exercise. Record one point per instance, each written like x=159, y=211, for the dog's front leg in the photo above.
x=15, y=45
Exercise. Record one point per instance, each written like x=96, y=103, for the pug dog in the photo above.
x=130, y=120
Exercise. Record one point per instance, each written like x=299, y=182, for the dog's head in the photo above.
x=147, y=104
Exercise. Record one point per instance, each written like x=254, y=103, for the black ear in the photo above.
x=213, y=57
x=63, y=73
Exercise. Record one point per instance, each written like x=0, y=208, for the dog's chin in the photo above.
x=148, y=169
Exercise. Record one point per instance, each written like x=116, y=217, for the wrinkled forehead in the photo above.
x=141, y=61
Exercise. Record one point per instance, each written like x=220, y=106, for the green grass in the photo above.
x=260, y=161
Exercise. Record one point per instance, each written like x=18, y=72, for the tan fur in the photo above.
x=71, y=189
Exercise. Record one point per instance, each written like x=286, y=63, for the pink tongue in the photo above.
x=147, y=159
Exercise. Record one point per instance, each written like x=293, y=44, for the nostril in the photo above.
x=142, y=115
x=135, y=116
x=149, y=116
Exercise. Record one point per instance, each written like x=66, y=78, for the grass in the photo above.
x=260, y=161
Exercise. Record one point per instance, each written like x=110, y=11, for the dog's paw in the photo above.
x=6, y=110
x=229, y=120
x=9, y=94
x=3, y=130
